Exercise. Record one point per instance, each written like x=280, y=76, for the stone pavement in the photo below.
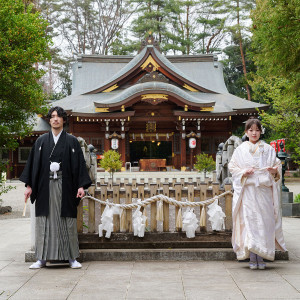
x=144, y=279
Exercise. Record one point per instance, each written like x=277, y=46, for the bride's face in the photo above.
x=253, y=134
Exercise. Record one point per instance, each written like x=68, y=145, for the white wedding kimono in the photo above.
x=256, y=214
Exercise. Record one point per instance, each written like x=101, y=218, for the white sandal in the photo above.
x=38, y=265
x=75, y=264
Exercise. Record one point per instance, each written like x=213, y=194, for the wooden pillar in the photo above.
x=106, y=144
x=198, y=147
x=141, y=193
x=103, y=196
x=228, y=208
x=153, y=223
x=173, y=182
x=110, y=183
x=229, y=126
x=91, y=206
x=178, y=198
x=182, y=182
x=182, y=152
x=158, y=182
x=215, y=189
x=128, y=200
x=191, y=159
x=123, y=150
x=203, y=191
x=166, y=192
x=191, y=192
x=71, y=125
x=134, y=183
x=116, y=199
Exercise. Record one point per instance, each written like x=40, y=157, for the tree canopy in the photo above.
x=276, y=35
x=23, y=46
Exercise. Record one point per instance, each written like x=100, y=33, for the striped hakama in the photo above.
x=55, y=236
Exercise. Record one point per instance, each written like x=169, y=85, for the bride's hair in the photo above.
x=253, y=121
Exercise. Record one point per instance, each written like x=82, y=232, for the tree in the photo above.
x=150, y=17
x=111, y=162
x=233, y=67
x=211, y=20
x=239, y=11
x=179, y=26
x=23, y=45
x=204, y=162
x=276, y=54
x=90, y=26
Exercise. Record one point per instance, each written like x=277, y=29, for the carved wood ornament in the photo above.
x=154, y=99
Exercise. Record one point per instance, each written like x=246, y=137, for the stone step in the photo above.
x=158, y=240
x=216, y=254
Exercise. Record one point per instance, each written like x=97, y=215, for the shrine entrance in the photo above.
x=151, y=150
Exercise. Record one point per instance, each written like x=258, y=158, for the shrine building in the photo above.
x=158, y=111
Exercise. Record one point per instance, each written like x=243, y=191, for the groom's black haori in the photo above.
x=72, y=165
x=55, y=192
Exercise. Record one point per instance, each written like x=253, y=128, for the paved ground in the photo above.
x=141, y=279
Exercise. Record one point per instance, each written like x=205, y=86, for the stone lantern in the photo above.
x=282, y=156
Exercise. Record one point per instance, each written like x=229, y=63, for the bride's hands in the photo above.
x=249, y=172
x=272, y=170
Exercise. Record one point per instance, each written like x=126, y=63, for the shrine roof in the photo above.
x=224, y=102
x=92, y=72
x=161, y=87
x=40, y=124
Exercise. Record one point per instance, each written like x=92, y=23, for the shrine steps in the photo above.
x=177, y=254
x=161, y=246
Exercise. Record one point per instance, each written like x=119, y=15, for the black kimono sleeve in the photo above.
x=83, y=179
x=26, y=175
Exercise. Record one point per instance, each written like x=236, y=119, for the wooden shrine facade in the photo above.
x=151, y=103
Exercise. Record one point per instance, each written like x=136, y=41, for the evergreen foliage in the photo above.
x=233, y=67
x=276, y=35
x=23, y=45
x=111, y=162
x=204, y=162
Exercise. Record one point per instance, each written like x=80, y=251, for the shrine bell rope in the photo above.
x=188, y=222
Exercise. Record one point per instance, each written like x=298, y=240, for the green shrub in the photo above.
x=296, y=174
x=297, y=198
x=111, y=162
x=204, y=163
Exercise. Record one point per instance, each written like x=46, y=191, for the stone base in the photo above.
x=291, y=209
x=217, y=254
x=287, y=197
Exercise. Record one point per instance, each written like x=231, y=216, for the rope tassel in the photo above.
x=120, y=209
x=123, y=221
x=179, y=219
x=160, y=212
x=203, y=217
x=145, y=215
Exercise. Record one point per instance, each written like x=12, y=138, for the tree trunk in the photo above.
x=241, y=50
x=187, y=30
